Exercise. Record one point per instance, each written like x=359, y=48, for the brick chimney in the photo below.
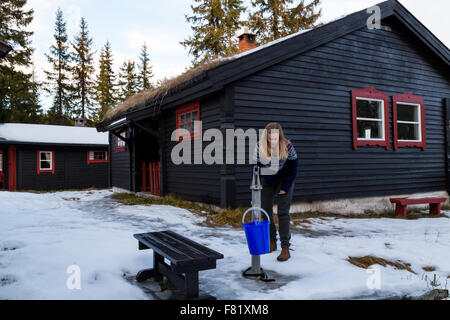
x=79, y=122
x=247, y=41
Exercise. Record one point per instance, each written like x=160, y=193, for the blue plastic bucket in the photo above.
x=258, y=235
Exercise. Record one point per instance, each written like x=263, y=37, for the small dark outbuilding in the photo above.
x=47, y=157
x=366, y=106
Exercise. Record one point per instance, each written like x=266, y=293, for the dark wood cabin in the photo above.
x=367, y=111
x=47, y=157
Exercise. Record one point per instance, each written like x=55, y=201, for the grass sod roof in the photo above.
x=164, y=87
x=183, y=80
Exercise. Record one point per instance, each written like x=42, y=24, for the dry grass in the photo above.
x=216, y=217
x=429, y=269
x=367, y=261
x=163, y=88
x=170, y=200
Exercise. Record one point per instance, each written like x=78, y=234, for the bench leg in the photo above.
x=435, y=209
x=151, y=273
x=191, y=284
x=400, y=210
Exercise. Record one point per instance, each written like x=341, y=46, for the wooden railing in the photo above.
x=150, y=178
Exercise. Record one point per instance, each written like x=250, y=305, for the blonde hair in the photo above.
x=265, y=147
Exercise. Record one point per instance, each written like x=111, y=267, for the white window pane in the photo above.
x=370, y=129
x=407, y=112
x=408, y=131
x=369, y=109
x=91, y=155
x=45, y=164
x=46, y=156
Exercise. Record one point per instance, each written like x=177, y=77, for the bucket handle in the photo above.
x=257, y=209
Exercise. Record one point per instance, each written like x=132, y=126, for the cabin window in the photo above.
x=1, y=160
x=46, y=161
x=370, y=118
x=409, y=121
x=120, y=144
x=97, y=157
x=185, y=117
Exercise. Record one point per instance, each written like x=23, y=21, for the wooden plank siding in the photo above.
x=71, y=169
x=194, y=182
x=310, y=95
x=120, y=164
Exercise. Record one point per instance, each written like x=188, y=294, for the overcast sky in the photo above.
x=162, y=25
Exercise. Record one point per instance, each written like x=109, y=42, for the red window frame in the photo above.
x=120, y=148
x=89, y=161
x=188, y=108
x=409, y=98
x=370, y=93
x=52, y=169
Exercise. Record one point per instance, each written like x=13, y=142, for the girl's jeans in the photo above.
x=269, y=193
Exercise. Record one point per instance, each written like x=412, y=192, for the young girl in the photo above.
x=277, y=184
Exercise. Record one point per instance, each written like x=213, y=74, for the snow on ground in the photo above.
x=41, y=235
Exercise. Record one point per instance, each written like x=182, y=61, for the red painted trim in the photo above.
x=12, y=170
x=38, y=164
x=121, y=148
x=97, y=161
x=188, y=108
x=370, y=93
x=409, y=98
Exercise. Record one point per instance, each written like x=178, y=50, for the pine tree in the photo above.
x=213, y=23
x=232, y=23
x=274, y=19
x=19, y=99
x=105, y=84
x=83, y=73
x=128, y=80
x=144, y=69
x=59, y=82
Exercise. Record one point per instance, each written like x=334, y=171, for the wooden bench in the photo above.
x=186, y=258
x=402, y=204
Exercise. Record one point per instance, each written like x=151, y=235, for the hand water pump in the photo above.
x=257, y=231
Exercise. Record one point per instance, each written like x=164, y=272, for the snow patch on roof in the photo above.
x=39, y=133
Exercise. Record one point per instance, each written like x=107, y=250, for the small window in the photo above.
x=1, y=160
x=120, y=144
x=46, y=161
x=370, y=118
x=409, y=121
x=97, y=156
x=186, y=117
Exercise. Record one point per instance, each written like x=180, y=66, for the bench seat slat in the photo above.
x=211, y=254
x=176, y=248
x=177, y=245
x=160, y=247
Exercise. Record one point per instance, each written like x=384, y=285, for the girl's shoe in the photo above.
x=284, y=255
